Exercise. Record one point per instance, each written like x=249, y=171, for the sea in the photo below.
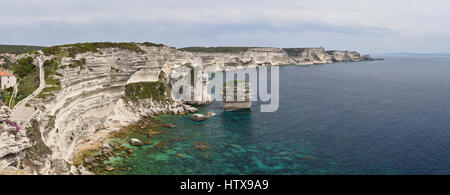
x=350, y=118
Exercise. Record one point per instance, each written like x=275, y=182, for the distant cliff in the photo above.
x=277, y=56
x=94, y=89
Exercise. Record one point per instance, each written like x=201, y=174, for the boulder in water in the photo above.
x=106, y=146
x=136, y=142
x=130, y=151
x=168, y=125
x=201, y=147
x=181, y=155
x=108, y=168
x=152, y=133
x=191, y=109
x=201, y=117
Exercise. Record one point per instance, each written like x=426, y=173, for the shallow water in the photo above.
x=381, y=117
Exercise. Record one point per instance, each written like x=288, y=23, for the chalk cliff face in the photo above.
x=92, y=101
x=307, y=56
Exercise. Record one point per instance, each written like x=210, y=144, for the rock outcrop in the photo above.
x=236, y=95
x=136, y=142
x=201, y=117
x=307, y=56
x=104, y=91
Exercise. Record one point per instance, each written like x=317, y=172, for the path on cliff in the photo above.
x=22, y=114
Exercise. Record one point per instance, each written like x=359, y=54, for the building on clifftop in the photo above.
x=7, y=80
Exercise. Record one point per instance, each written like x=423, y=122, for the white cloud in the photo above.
x=381, y=20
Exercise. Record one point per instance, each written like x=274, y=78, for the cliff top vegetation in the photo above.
x=18, y=49
x=72, y=50
x=216, y=49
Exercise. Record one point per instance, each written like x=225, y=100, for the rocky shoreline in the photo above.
x=92, y=160
x=103, y=87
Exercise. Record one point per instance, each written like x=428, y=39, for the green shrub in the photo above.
x=8, y=64
x=28, y=75
x=24, y=67
x=18, y=49
x=71, y=50
x=315, y=57
x=55, y=50
x=47, y=92
x=158, y=91
x=28, y=85
x=6, y=95
x=294, y=51
x=38, y=148
x=192, y=76
x=78, y=63
x=51, y=68
x=231, y=64
x=216, y=49
x=52, y=81
x=148, y=44
x=94, y=47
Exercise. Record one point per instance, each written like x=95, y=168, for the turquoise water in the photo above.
x=381, y=117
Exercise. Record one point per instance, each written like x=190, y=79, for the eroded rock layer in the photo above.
x=104, y=91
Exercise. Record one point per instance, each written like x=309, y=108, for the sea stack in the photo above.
x=236, y=95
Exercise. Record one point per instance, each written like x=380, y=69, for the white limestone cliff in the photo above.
x=91, y=102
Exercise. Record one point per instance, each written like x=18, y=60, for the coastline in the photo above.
x=89, y=104
x=118, y=140
x=121, y=136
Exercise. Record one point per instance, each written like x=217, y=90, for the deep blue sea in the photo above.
x=379, y=117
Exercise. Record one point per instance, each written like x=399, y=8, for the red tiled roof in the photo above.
x=4, y=74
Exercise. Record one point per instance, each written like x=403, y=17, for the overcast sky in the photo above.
x=368, y=26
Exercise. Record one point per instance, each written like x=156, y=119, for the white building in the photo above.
x=7, y=80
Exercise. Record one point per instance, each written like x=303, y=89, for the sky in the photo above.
x=368, y=26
